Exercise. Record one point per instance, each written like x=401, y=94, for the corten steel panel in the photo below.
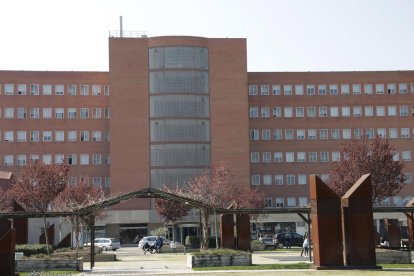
x=7, y=248
x=410, y=224
x=129, y=123
x=229, y=106
x=243, y=232
x=227, y=231
x=21, y=226
x=393, y=233
x=326, y=224
x=50, y=235
x=358, y=225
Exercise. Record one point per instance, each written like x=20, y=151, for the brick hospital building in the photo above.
x=170, y=106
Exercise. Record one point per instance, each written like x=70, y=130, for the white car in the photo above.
x=106, y=243
x=150, y=240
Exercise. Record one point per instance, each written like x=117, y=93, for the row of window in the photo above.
x=300, y=179
x=59, y=136
x=303, y=201
x=331, y=89
x=59, y=89
x=71, y=159
x=59, y=113
x=324, y=133
x=301, y=156
x=334, y=111
x=96, y=181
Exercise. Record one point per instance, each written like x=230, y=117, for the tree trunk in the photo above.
x=173, y=230
x=46, y=235
x=204, y=230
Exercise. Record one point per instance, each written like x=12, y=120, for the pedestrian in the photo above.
x=305, y=247
x=288, y=239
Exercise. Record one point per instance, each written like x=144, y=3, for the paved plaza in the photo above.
x=132, y=261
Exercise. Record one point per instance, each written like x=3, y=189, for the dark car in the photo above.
x=280, y=241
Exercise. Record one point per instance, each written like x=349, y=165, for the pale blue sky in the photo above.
x=282, y=35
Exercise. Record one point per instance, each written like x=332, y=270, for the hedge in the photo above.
x=33, y=249
x=194, y=241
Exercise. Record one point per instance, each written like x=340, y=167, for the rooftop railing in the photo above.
x=128, y=34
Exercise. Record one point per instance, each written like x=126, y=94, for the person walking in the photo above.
x=288, y=239
x=305, y=247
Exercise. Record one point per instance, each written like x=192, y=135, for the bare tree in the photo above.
x=38, y=185
x=170, y=211
x=362, y=156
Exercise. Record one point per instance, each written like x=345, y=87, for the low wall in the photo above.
x=101, y=258
x=44, y=265
x=385, y=256
x=218, y=260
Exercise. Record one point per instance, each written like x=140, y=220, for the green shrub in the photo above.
x=194, y=241
x=33, y=249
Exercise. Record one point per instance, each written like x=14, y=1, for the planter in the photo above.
x=385, y=256
x=42, y=265
x=218, y=260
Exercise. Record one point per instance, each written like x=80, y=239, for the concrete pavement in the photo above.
x=132, y=261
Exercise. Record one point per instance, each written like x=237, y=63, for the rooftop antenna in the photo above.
x=120, y=26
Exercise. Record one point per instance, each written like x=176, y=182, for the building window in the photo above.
x=21, y=113
x=47, y=136
x=72, y=89
x=84, y=159
x=59, y=113
x=266, y=134
x=368, y=88
x=9, y=112
x=254, y=112
x=276, y=90
x=254, y=157
x=268, y=202
x=357, y=111
x=47, y=158
x=311, y=111
x=379, y=88
x=288, y=112
x=393, y=133
x=267, y=179
x=392, y=110
x=278, y=179
x=334, y=111
x=72, y=159
x=59, y=89
x=382, y=132
x=291, y=201
x=322, y=89
x=310, y=89
x=300, y=134
x=47, y=89
x=254, y=135
x=323, y=134
x=84, y=113
x=96, y=90
x=300, y=112
x=346, y=133
x=97, y=182
x=323, y=111
x=84, y=135
x=406, y=155
x=97, y=113
x=344, y=88
x=358, y=133
x=287, y=90
x=21, y=89
x=59, y=158
x=34, y=136
x=299, y=89
x=8, y=160
x=405, y=133
x=34, y=157
x=59, y=136
x=290, y=179
x=346, y=111
x=107, y=113
x=356, y=89
x=404, y=110
x=290, y=157
x=280, y=202
x=380, y=111
x=370, y=133
x=267, y=157
x=34, y=113
x=335, y=134
x=265, y=112
x=96, y=159
x=21, y=136
x=72, y=136
x=301, y=156
x=72, y=181
x=289, y=134
x=72, y=113
x=252, y=90
x=97, y=135
x=324, y=156
x=336, y=156
x=312, y=134
x=369, y=111
x=333, y=89
x=302, y=179
x=106, y=90
x=255, y=180
x=277, y=134
x=8, y=136
x=313, y=157
x=278, y=157
x=9, y=89
x=47, y=113
x=391, y=88
x=84, y=90
x=34, y=89
x=277, y=112
x=403, y=88
x=408, y=178
x=303, y=201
